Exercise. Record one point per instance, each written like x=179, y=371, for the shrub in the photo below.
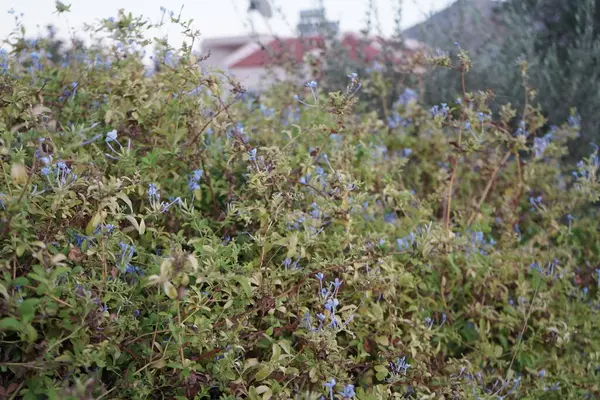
x=164, y=236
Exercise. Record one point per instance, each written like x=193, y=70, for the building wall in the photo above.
x=257, y=78
x=218, y=56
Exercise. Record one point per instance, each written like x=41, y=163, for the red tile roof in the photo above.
x=298, y=47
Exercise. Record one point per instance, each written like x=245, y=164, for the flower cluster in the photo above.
x=406, y=243
x=540, y=144
x=549, y=271
x=61, y=174
x=328, y=319
x=429, y=322
x=194, y=180
x=398, y=369
x=111, y=137
x=440, y=111
x=154, y=199
x=347, y=393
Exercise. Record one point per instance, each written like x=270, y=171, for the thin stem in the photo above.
x=179, y=333
x=489, y=186
x=524, y=326
x=449, y=197
x=17, y=390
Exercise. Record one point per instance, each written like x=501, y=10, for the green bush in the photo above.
x=162, y=235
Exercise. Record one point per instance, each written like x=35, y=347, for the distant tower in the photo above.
x=314, y=23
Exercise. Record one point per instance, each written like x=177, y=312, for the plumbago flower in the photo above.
x=194, y=180
x=267, y=112
x=60, y=175
x=398, y=369
x=330, y=385
x=408, y=96
x=329, y=319
x=312, y=85
x=154, y=199
x=111, y=137
x=441, y=111
x=353, y=217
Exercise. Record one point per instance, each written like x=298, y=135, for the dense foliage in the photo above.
x=164, y=235
x=559, y=38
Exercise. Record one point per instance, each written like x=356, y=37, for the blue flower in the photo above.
x=153, y=194
x=336, y=284
x=127, y=251
x=406, y=242
x=330, y=385
x=46, y=171
x=522, y=130
x=539, y=145
x=334, y=322
x=408, y=96
x=319, y=276
x=267, y=112
x=198, y=174
x=353, y=76
x=439, y=111
x=111, y=136
x=252, y=154
x=390, y=218
x=444, y=319
x=395, y=120
x=428, y=322
x=193, y=182
x=287, y=262
x=316, y=211
x=477, y=238
x=441, y=53
x=348, y=392
x=331, y=305
x=305, y=179
x=193, y=185
x=400, y=366
x=406, y=152
x=131, y=270
x=574, y=121
x=483, y=117
x=311, y=84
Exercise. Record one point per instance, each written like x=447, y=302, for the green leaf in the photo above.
x=10, y=324
x=27, y=309
x=382, y=340
x=133, y=222
x=126, y=199
x=170, y=290
x=292, y=245
x=262, y=373
x=245, y=284
x=30, y=333
x=3, y=291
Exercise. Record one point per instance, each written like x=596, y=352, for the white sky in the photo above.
x=211, y=17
